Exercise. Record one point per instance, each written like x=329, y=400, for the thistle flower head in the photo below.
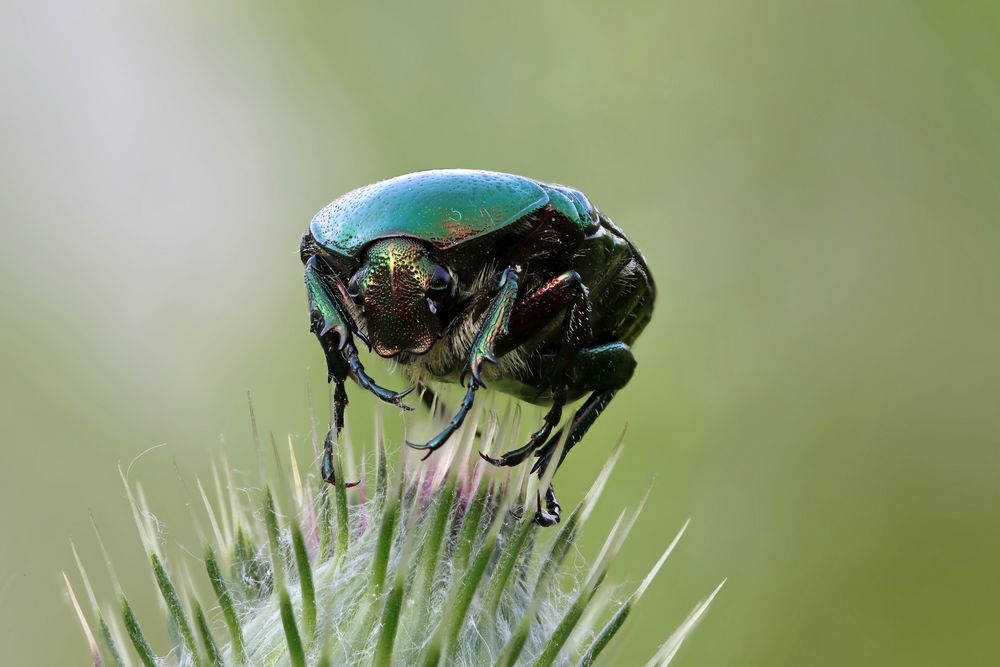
x=426, y=564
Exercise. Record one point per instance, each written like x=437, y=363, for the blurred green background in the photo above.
x=814, y=185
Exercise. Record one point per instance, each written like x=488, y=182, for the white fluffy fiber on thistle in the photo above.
x=433, y=564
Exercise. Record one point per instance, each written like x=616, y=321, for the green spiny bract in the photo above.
x=436, y=566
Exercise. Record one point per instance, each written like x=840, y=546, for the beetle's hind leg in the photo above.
x=582, y=421
x=578, y=427
x=603, y=369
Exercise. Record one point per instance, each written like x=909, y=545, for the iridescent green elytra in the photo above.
x=447, y=270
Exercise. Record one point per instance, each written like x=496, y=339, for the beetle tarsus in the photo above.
x=339, y=405
x=363, y=380
x=552, y=512
x=538, y=438
x=435, y=443
x=582, y=421
x=326, y=465
x=493, y=461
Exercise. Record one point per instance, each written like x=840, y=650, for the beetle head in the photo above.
x=403, y=294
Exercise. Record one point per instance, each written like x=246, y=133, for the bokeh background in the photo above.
x=815, y=186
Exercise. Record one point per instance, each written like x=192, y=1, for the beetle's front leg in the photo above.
x=335, y=330
x=494, y=327
x=361, y=377
x=332, y=330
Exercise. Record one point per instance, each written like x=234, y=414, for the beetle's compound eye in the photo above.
x=354, y=289
x=440, y=282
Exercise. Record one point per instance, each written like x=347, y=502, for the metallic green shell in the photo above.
x=444, y=207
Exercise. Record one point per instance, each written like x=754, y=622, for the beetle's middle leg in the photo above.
x=567, y=294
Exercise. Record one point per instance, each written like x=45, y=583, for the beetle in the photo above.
x=483, y=279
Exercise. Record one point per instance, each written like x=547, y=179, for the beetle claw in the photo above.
x=552, y=512
x=387, y=396
x=397, y=399
x=346, y=485
x=490, y=459
x=428, y=447
x=546, y=519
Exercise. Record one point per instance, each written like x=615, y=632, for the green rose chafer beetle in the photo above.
x=446, y=270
